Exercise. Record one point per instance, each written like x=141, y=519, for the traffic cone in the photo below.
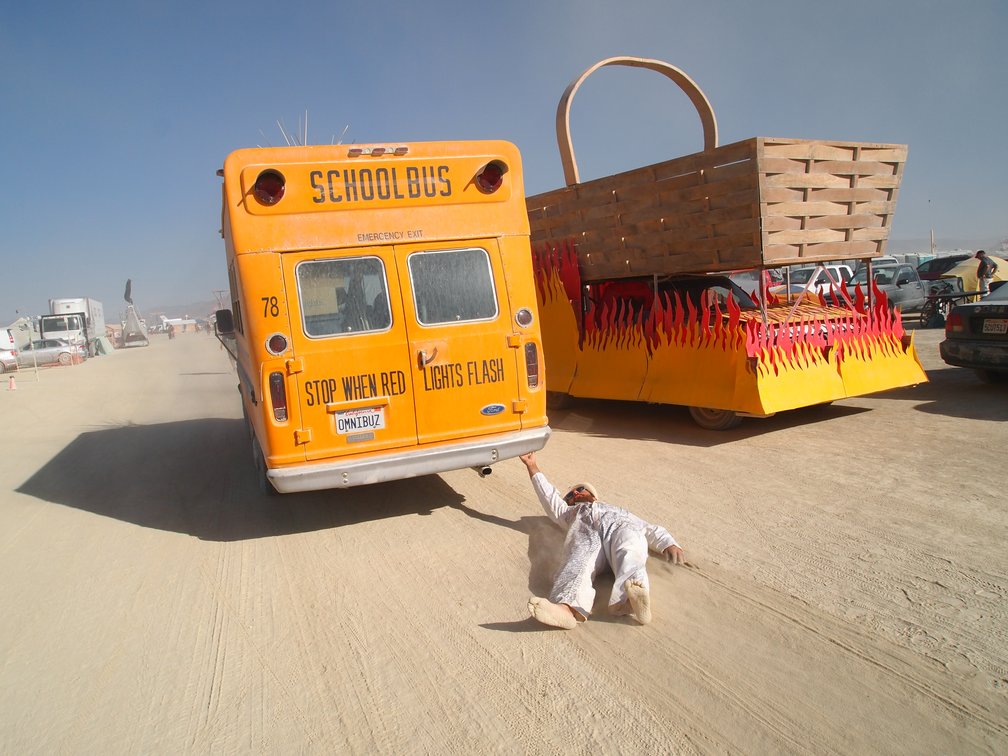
x=11, y=385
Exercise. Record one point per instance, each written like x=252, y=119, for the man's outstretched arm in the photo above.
x=530, y=463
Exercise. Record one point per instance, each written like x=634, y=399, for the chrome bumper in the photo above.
x=407, y=464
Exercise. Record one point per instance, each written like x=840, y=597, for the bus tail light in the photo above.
x=491, y=176
x=269, y=187
x=532, y=365
x=278, y=396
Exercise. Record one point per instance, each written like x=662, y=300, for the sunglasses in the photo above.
x=570, y=494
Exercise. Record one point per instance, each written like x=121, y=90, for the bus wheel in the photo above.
x=714, y=419
x=260, y=467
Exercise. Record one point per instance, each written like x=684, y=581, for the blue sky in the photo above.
x=118, y=114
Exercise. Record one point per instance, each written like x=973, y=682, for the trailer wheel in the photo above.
x=714, y=419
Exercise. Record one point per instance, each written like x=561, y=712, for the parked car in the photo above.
x=8, y=350
x=976, y=336
x=50, y=352
x=821, y=283
x=900, y=283
x=637, y=294
x=935, y=268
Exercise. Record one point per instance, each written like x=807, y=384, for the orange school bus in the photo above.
x=383, y=315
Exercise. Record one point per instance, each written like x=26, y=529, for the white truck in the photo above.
x=79, y=320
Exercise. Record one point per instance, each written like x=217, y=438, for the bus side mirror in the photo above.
x=225, y=323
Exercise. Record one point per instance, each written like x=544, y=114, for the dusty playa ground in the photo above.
x=847, y=594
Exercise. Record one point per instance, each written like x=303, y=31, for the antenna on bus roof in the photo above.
x=345, y=129
x=286, y=138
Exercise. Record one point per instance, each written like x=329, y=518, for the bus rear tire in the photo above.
x=260, y=468
x=714, y=419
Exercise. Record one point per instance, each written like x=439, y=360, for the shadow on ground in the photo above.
x=673, y=424
x=196, y=477
x=956, y=392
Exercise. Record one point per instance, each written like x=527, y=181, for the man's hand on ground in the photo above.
x=675, y=555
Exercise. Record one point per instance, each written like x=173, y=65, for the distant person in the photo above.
x=985, y=272
x=171, y=331
x=599, y=535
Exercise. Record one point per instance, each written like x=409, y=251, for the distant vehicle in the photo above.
x=883, y=260
x=936, y=267
x=637, y=294
x=966, y=271
x=8, y=351
x=50, y=352
x=900, y=283
x=976, y=336
x=821, y=283
x=78, y=320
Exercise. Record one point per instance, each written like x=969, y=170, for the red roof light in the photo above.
x=490, y=178
x=269, y=187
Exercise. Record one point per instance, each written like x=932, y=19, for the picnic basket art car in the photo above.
x=621, y=320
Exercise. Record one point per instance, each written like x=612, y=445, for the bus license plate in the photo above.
x=357, y=420
x=995, y=326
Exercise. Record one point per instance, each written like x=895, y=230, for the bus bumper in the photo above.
x=411, y=463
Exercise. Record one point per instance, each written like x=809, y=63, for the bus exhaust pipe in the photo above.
x=483, y=470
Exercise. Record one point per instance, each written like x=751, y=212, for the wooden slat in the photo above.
x=853, y=168
x=867, y=220
x=754, y=202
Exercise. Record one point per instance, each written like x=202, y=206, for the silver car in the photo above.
x=50, y=352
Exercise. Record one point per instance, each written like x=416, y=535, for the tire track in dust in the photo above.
x=225, y=616
x=841, y=557
x=966, y=709
x=211, y=671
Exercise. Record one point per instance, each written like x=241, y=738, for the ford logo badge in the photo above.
x=492, y=409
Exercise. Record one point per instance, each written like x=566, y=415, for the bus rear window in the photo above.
x=452, y=286
x=345, y=295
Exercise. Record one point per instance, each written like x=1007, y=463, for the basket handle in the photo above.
x=686, y=84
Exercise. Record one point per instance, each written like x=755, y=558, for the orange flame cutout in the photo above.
x=775, y=345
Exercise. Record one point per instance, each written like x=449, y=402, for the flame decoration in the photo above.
x=819, y=331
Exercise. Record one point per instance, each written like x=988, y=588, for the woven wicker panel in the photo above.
x=757, y=202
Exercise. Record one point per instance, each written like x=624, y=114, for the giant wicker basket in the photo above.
x=759, y=202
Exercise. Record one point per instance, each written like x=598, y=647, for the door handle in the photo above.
x=423, y=360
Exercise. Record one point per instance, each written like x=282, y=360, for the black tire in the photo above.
x=260, y=468
x=714, y=419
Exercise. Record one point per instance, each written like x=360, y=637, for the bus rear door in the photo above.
x=463, y=349
x=351, y=356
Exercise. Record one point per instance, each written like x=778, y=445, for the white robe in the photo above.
x=598, y=535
